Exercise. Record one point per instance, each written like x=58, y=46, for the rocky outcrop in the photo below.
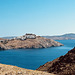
x=29, y=41
x=13, y=70
x=64, y=65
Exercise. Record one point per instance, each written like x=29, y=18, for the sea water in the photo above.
x=33, y=58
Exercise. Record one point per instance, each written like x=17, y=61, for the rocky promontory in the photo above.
x=28, y=41
x=64, y=65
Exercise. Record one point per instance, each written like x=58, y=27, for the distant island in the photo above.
x=61, y=37
x=27, y=41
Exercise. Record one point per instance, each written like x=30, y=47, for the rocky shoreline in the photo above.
x=64, y=65
x=28, y=41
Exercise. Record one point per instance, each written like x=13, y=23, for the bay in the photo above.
x=33, y=58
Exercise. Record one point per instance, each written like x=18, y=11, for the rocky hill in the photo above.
x=64, y=65
x=61, y=37
x=28, y=41
x=13, y=70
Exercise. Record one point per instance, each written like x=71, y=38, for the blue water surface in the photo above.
x=33, y=58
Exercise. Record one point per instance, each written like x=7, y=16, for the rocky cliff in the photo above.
x=28, y=41
x=13, y=70
x=64, y=65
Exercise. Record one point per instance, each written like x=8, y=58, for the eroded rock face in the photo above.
x=31, y=41
x=64, y=65
x=13, y=70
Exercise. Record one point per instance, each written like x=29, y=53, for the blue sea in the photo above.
x=33, y=58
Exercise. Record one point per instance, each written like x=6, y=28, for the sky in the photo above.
x=41, y=17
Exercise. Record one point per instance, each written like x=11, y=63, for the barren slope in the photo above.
x=13, y=70
x=64, y=65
